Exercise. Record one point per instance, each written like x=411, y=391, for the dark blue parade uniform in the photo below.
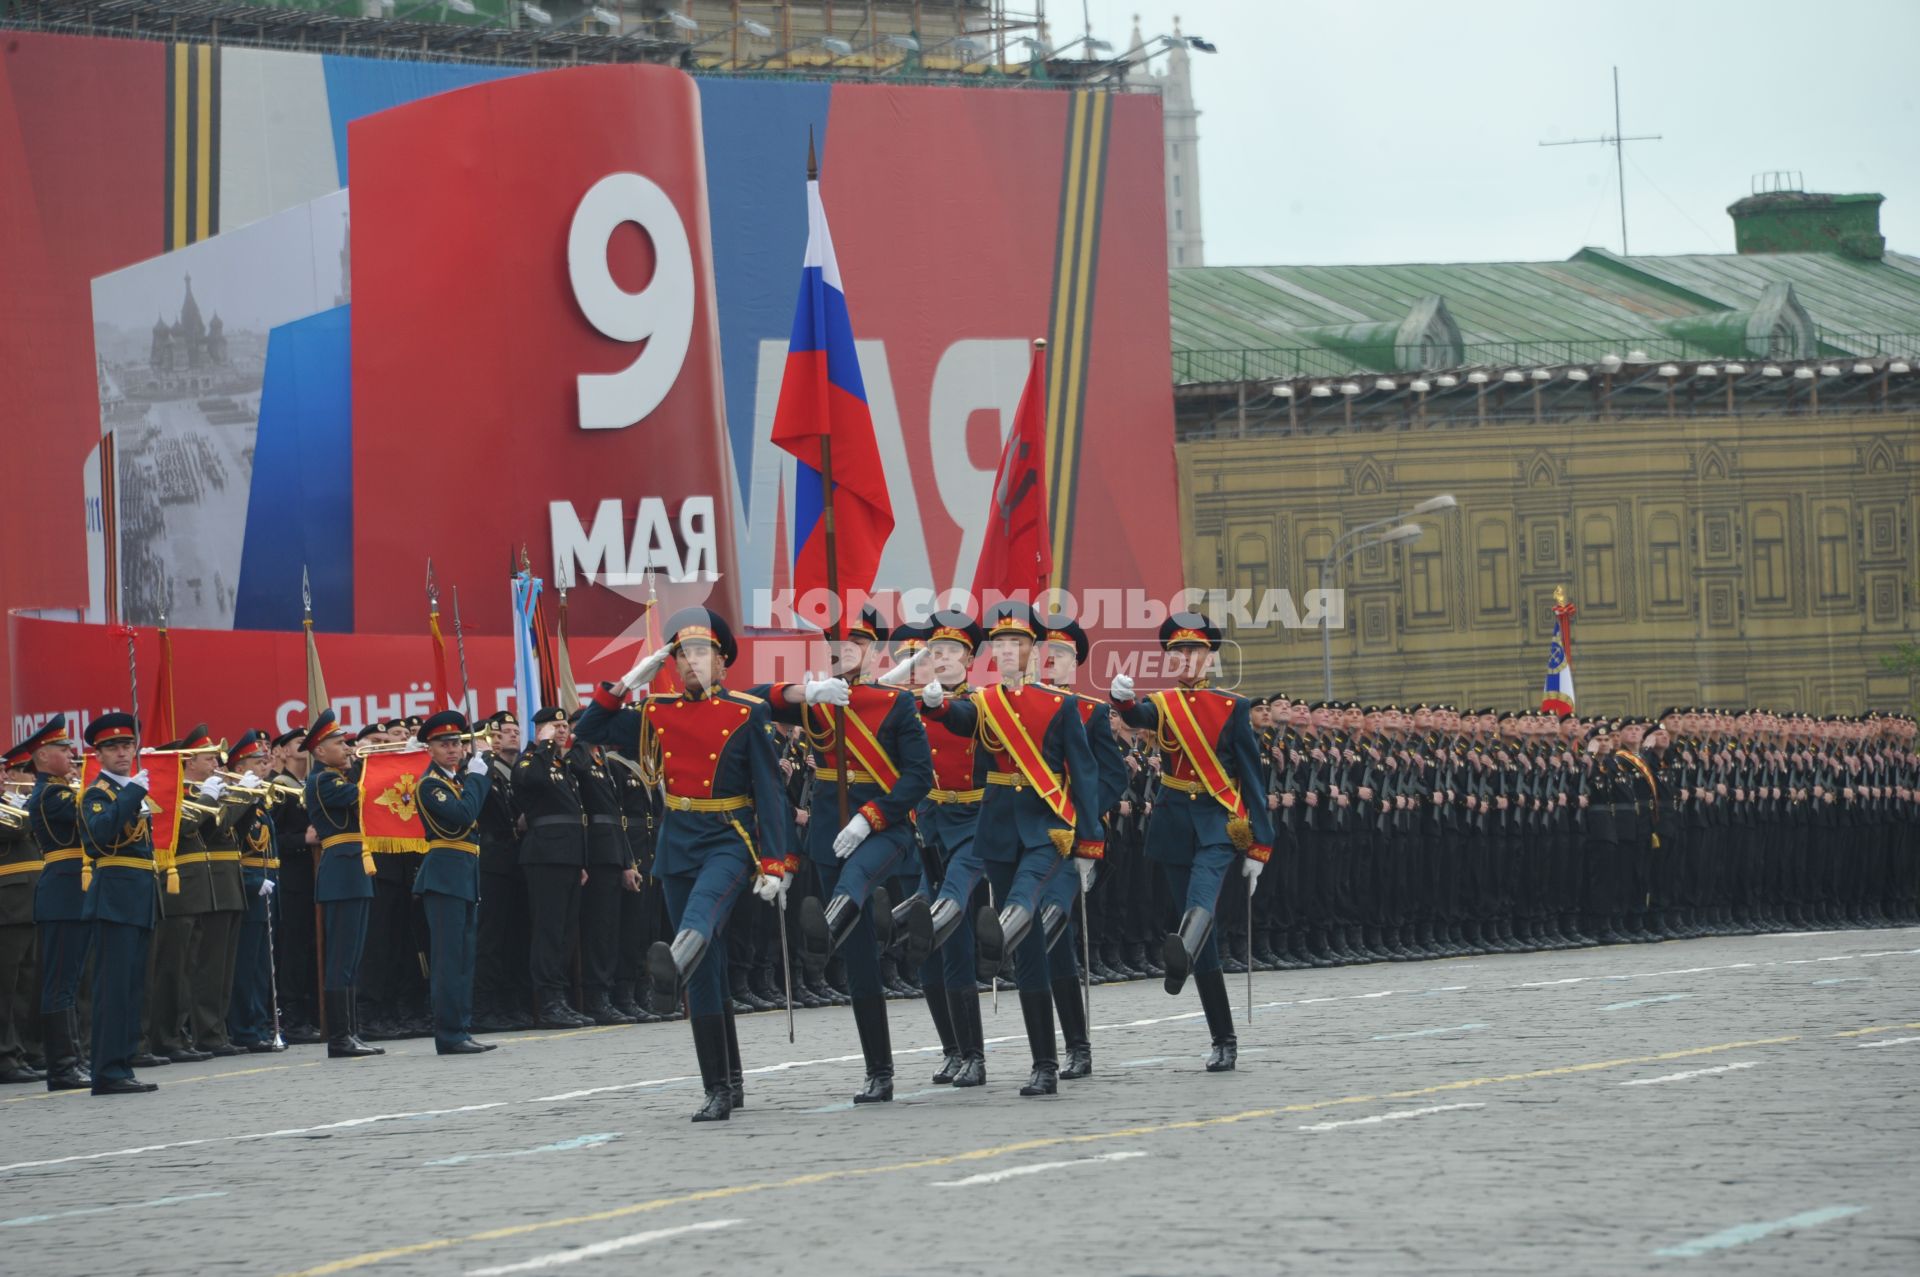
x=343, y=886
x=1110, y=764
x=60, y=897
x=449, y=885
x=123, y=904
x=1212, y=808
x=724, y=815
x=250, y=1013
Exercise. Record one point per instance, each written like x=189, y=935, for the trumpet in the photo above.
x=385, y=747
x=270, y=791
x=12, y=817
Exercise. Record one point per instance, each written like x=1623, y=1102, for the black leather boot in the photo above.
x=1067, y=1004
x=600, y=1009
x=736, y=1076
x=913, y=934
x=64, y=1070
x=1183, y=946
x=942, y=1015
x=876, y=1044
x=1212, y=988
x=1037, y=1010
x=622, y=999
x=824, y=928
x=668, y=966
x=964, y=1006
x=710, y=1047
x=341, y=1043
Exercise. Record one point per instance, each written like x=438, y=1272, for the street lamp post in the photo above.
x=1335, y=556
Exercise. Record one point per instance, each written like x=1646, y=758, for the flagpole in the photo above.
x=836, y=620
x=460, y=643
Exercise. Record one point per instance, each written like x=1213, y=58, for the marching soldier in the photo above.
x=20, y=870
x=1212, y=755
x=59, y=902
x=1062, y=652
x=343, y=883
x=709, y=750
x=553, y=857
x=1032, y=821
x=122, y=903
x=854, y=847
x=452, y=794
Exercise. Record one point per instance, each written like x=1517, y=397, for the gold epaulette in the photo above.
x=748, y=697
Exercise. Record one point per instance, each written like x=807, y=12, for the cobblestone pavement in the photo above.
x=1723, y=1104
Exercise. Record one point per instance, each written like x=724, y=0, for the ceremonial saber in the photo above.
x=1250, y=889
x=1086, y=953
x=460, y=644
x=786, y=961
x=996, y=975
x=273, y=973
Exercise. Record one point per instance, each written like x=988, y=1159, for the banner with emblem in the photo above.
x=164, y=786
x=389, y=802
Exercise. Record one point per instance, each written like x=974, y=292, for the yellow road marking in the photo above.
x=1884, y=1028
x=370, y=1258
x=205, y=1077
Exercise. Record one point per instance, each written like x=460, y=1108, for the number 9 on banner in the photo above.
x=661, y=314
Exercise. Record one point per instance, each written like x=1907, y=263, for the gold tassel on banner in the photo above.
x=366, y=860
x=1062, y=841
x=1240, y=832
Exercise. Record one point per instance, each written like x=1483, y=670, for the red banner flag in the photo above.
x=441, y=684
x=389, y=802
x=164, y=788
x=1016, y=555
x=160, y=722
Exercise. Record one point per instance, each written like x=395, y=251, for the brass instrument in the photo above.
x=386, y=747
x=12, y=817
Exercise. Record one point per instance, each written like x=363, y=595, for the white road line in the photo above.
x=1389, y=1117
x=1681, y=1077
x=1743, y=1233
x=1868, y=1046
x=1427, y=1033
x=1645, y=1002
x=564, y=1146
x=1846, y=979
x=345, y=1124
x=1014, y=1172
x=560, y=1258
x=23, y=1220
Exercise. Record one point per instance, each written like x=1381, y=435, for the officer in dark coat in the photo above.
x=59, y=902
x=452, y=793
x=123, y=902
x=343, y=884
x=553, y=857
x=611, y=870
x=295, y=934
x=725, y=815
x=1212, y=761
x=503, y=997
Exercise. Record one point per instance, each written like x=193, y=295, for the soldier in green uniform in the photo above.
x=19, y=875
x=452, y=793
x=123, y=903
x=188, y=887
x=251, y=1006
x=217, y=938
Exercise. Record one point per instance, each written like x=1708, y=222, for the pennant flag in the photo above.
x=1016, y=553
x=389, y=802
x=160, y=721
x=526, y=660
x=822, y=417
x=1558, y=697
x=568, y=690
x=317, y=700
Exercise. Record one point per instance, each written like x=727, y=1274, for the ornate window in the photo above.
x=1768, y=557
x=1250, y=563
x=1835, y=564
x=1599, y=567
x=1493, y=559
x=1666, y=579
x=1426, y=579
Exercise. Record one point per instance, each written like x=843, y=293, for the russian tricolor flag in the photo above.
x=824, y=402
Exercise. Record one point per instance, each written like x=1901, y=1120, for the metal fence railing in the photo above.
x=1281, y=363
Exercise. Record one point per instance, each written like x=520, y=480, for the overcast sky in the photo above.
x=1337, y=131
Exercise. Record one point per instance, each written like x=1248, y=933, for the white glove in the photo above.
x=1250, y=869
x=642, y=674
x=1122, y=689
x=771, y=889
x=827, y=691
x=897, y=676
x=848, y=839
x=212, y=787
x=251, y=781
x=13, y=798
x=477, y=765
x=139, y=778
x=267, y=887
x=1087, y=870
x=933, y=696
